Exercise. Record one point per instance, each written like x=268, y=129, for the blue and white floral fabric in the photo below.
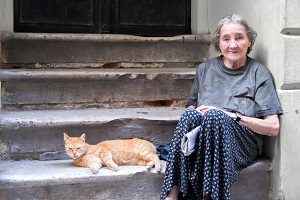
x=223, y=148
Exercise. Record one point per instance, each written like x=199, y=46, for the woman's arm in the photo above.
x=193, y=96
x=269, y=125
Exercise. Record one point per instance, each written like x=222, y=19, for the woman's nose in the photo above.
x=232, y=43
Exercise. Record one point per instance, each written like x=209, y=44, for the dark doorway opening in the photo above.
x=134, y=17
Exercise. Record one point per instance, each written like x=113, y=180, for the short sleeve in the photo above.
x=267, y=102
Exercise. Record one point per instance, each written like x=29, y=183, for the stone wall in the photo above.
x=289, y=78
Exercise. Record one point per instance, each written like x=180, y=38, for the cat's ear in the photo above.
x=82, y=137
x=66, y=137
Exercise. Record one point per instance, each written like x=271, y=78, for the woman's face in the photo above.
x=234, y=42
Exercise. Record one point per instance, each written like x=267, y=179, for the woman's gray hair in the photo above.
x=234, y=18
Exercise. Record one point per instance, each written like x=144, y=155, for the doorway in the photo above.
x=134, y=17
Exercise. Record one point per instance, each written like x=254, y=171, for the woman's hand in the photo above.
x=191, y=107
x=202, y=109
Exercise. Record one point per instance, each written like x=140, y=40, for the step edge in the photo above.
x=204, y=38
x=12, y=120
x=94, y=74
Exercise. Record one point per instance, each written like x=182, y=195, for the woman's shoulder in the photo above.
x=260, y=68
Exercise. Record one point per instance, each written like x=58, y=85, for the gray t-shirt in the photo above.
x=248, y=90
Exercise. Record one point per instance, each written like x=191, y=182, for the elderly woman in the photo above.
x=233, y=100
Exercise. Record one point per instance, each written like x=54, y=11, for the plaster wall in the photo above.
x=199, y=16
x=6, y=15
x=289, y=78
x=6, y=22
x=290, y=150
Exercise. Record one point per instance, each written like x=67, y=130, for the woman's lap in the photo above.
x=224, y=147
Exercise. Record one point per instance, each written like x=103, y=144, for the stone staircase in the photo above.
x=107, y=86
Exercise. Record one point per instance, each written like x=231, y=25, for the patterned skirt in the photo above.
x=224, y=147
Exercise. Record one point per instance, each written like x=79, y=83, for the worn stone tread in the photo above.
x=32, y=173
x=10, y=120
x=43, y=129
x=60, y=179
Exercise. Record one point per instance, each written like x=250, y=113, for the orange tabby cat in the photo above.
x=111, y=153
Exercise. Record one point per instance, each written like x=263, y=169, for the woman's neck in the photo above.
x=234, y=64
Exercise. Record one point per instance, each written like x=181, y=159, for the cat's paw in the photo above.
x=158, y=168
x=150, y=166
x=113, y=167
x=95, y=167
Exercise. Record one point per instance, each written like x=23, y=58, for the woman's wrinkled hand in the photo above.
x=202, y=109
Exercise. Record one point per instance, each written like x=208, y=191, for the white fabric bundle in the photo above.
x=188, y=141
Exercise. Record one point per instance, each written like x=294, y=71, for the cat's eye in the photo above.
x=78, y=147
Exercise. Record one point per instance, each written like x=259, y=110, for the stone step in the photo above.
x=60, y=179
x=44, y=49
x=38, y=134
x=94, y=88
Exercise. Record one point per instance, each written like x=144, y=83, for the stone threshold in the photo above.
x=204, y=38
x=49, y=48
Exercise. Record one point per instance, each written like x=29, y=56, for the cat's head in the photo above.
x=75, y=146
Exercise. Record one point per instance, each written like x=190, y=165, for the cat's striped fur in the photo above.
x=111, y=153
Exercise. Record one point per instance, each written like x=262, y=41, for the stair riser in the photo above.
x=59, y=94
x=46, y=143
x=75, y=48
